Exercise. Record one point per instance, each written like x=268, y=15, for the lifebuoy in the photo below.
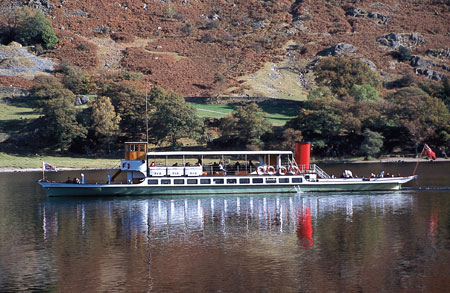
x=293, y=170
x=260, y=170
x=282, y=170
x=271, y=170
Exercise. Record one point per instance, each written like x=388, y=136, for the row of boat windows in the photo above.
x=222, y=181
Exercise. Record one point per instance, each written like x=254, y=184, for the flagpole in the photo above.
x=417, y=164
x=43, y=169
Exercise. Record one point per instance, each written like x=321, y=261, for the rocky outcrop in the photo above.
x=42, y=5
x=338, y=49
x=12, y=91
x=17, y=61
x=421, y=62
x=371, y=65
x=430, y=74
x=81, y=100
x=395, y=40
x=378, y=17
x=439, y=53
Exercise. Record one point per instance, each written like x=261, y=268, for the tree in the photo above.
x=56, y=103
x=288, y=138
x=335, y=126
x=340, y=74
x=422, y=117
x=34, y=28
x=129, y=102
x=105, y=121
x=404, y=53
x=171, y=118
x=440, y=91
x=364, y=92
x=321, y=126
x=75, y=79
x=9, y=29
x=245, y=126
x=372, y=143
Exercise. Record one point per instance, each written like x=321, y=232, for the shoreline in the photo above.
x=382, y=160
x=20, y=170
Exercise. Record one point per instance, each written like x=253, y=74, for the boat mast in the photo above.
x=146, y=113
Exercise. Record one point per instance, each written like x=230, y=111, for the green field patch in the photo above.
x=278, y=114
x=35, y=161
x=14, y=117
x=213, y=110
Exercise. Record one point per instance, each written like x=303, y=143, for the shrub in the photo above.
x=34, y=28
x=404, y=53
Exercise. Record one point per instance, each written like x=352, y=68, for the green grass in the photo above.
x=277, y=114
x=213, y=110
x=275, y=81
x=35, y=161
x=15, y=117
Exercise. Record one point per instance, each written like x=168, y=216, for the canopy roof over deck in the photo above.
x=218, y=153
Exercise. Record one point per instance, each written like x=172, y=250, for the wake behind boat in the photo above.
x=219, y=172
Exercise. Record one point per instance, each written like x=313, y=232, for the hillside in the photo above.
x=244, y=47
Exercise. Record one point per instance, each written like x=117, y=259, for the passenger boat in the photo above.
x=218, y=172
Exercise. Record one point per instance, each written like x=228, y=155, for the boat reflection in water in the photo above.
x=167, y=217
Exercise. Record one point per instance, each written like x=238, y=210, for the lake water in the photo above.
x=365, y=241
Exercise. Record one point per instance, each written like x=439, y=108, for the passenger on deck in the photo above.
x=152, y=164
x=69, y=180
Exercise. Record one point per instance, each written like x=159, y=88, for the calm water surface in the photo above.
x=371, y=241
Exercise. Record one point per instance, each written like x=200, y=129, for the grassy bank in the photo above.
x=22, y=162
x=277, y=114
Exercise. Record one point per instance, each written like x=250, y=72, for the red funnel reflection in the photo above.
x=433, y=225
x=304, y=228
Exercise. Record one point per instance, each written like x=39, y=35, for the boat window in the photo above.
x=178, y=181
x=284, y=180
x=244, y=180
x=205, y=181
x=192, y=181
x=297, y=180
x=232, y=181
x=257, y=180
x=271, y=180
x=165, y=181
x=219, y=181
x=152, y=181
x=142, y=148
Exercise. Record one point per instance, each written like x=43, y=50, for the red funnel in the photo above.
x=303, y=154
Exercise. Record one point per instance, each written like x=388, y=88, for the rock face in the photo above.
x=338, y=49
x=378, y=17
x=81, y=100
x=16, y=61
x=42, y=5
x=371, y=65
x=439, y=53
x=421, y=62
x=395, y=40
x=430, y=74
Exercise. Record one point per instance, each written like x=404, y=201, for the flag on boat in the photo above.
x=48, y=167
x=429, y=152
